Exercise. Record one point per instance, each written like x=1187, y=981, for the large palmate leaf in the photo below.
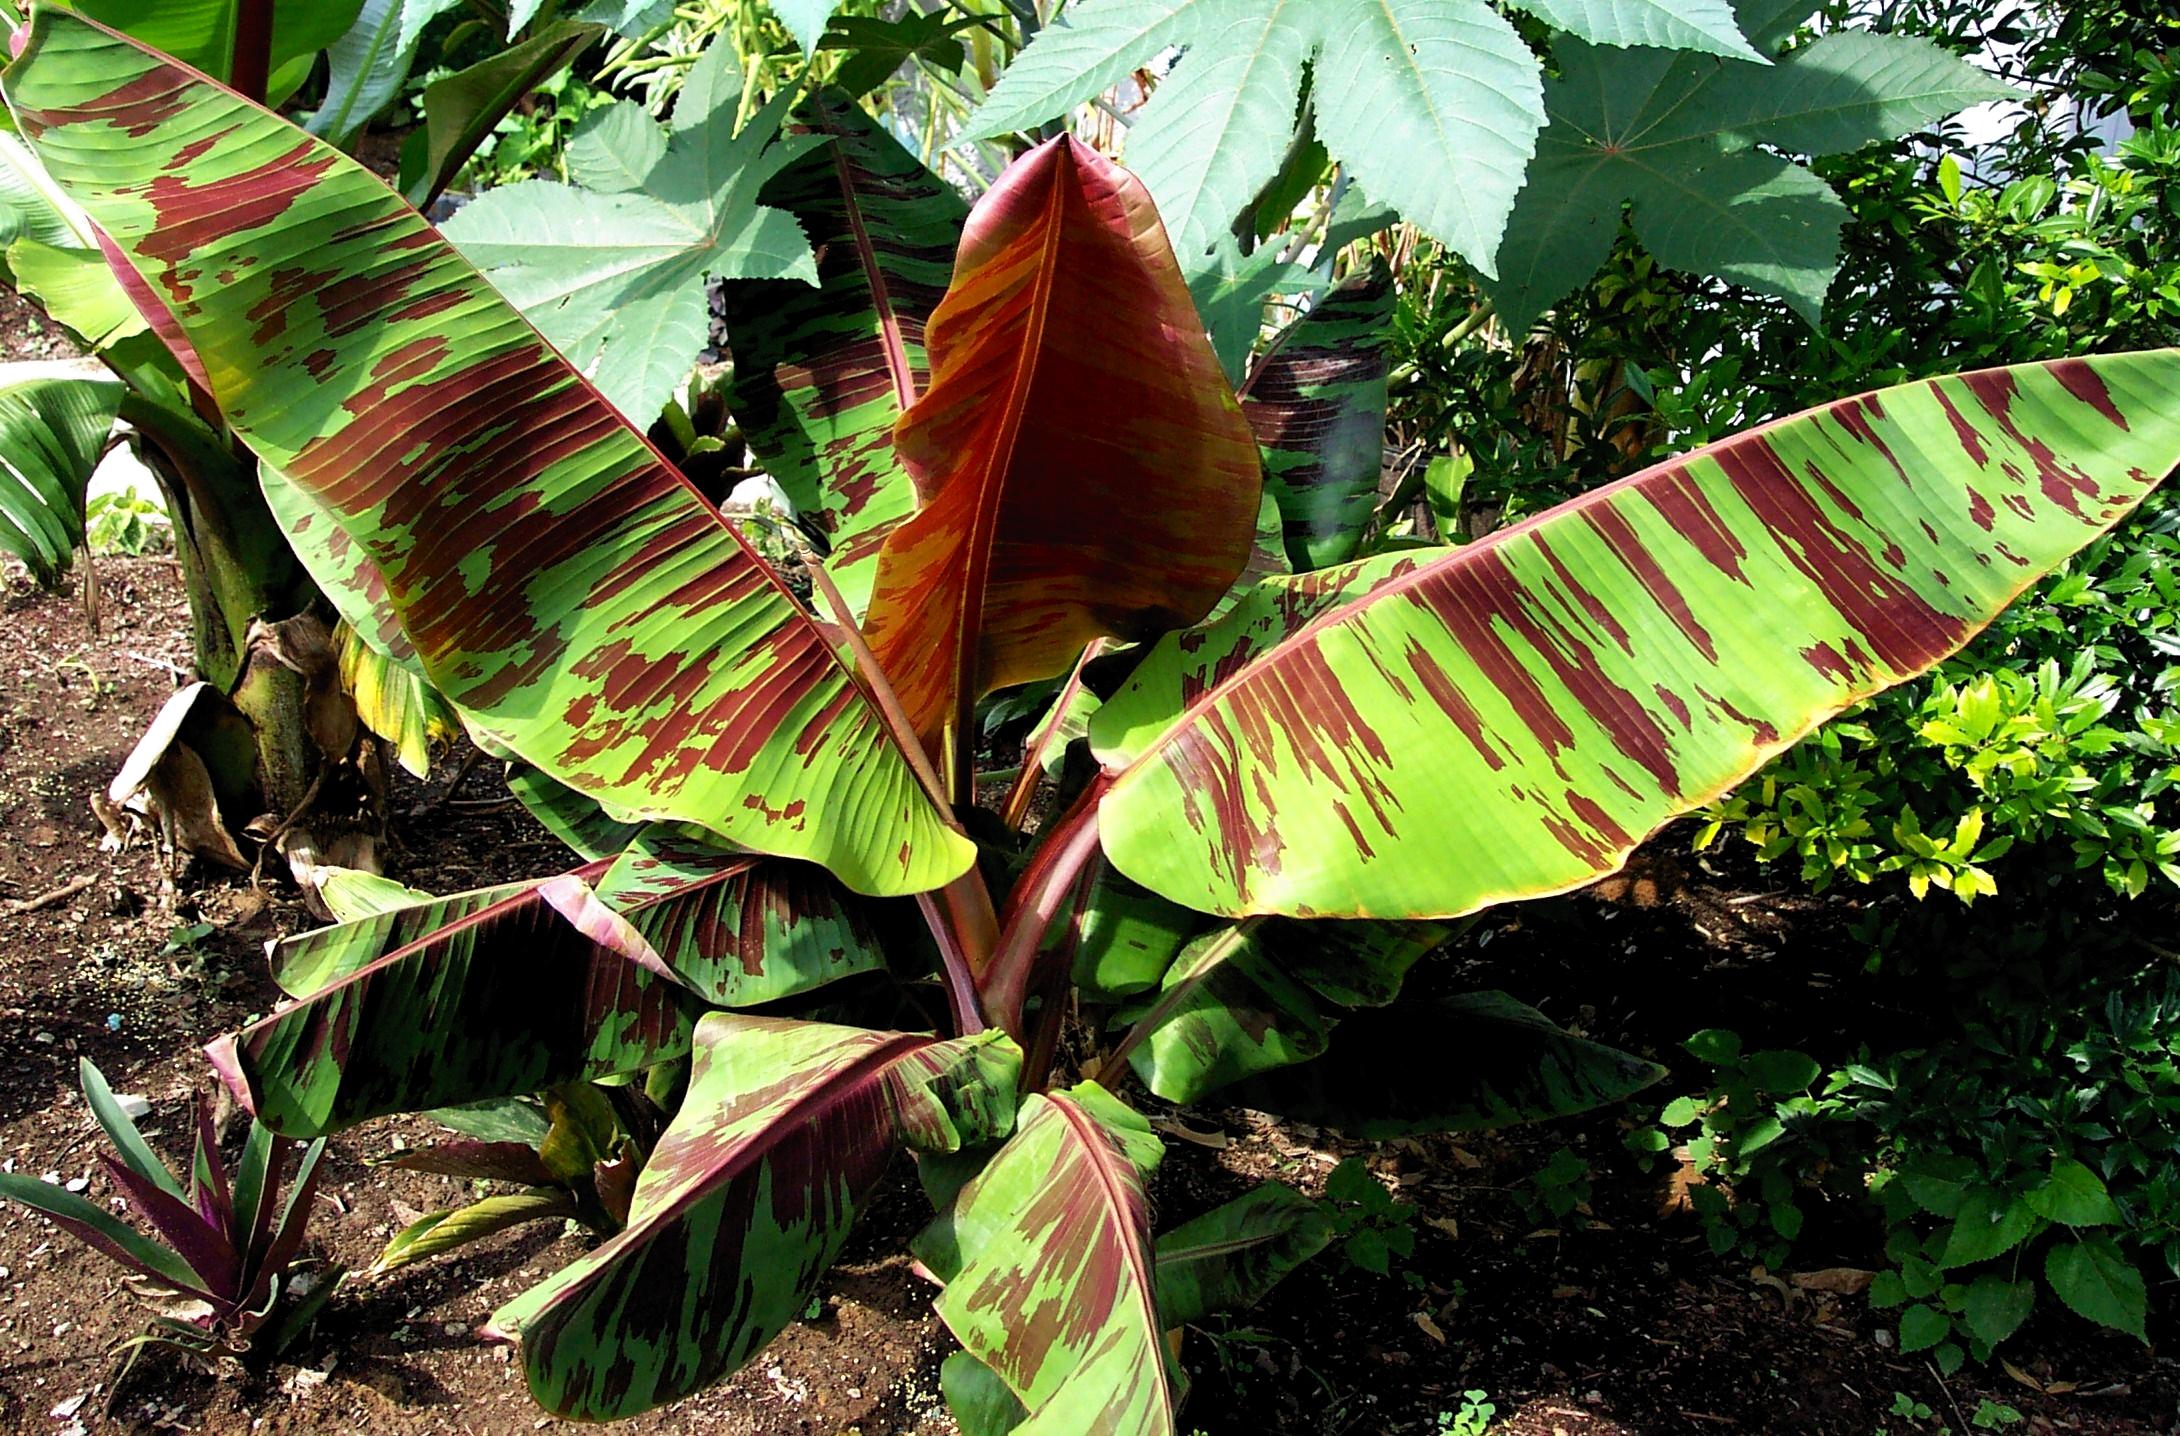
x=202, y=33
x=1318, y=407
x=820, y=375
x=554, y=574
x=1066, y=313
x=53, y=431
x=543, y=986
x=1707, y=25
x=1430, y=732
x=1047, y=1260
x=615, y=268
x=1253, y=996
x=1454, y=1064
x=745, y=1201
x=1433, y=105
x=1677, y=136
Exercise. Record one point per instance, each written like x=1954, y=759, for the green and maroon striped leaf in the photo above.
x=1317, y=404
x=1228, y=1258
x=1478, y=1060
x=1257, y=995
x=820, y=375
x=1083, y=468
x=555, y=575
x=544, y=986
x=745, y=1202
x=310, y=962
x=736, y=930
x=1049, y=1270
x=1426, y=733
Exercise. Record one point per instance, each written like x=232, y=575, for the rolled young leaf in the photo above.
x=1083, y=468
x=820, y=375
x=1048, y=1267
x=553, y=572
x=785, y=1129
x=1426, y=733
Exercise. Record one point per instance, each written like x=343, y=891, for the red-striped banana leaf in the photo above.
x=745, y=1202
x=736, y=930
x=554, y=573
x=820, y=375
x=1477, y=1060
x=1228, y=1258
x=309, y=962
x=546, y=986
x=1083, y=468
x=1423, y=734
x=1048, y=1264
x=1317, y=404
x=1258, y=995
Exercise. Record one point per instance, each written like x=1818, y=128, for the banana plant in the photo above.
x=1292, y=783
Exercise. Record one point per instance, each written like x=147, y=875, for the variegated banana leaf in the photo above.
x=309, y=962
x=745, y=1202
x=411, y=1007
x=1228, y=1258
x=53, y=431
x=1126, y=937
x=1317, y=404
x=1083, y=468
x=820, y=375
x=554, y=574
x=1047, y=1260
x=1261, y=994
x=1427, y=733
x=739, y=931
x=393, y=700
x=545, y=986
x=1454, y=1064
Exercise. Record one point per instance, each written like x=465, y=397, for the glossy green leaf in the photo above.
x=745, y=1201
x=1317, y=405
x=1251, y=997
x=616, y=274
x=1228, y=1258
x=1432, y=104
x=76, y=290
x=574, y=818
x=554, y=575
x=1476, y=1061
x=53, y=432
x=1429, y=732
x=368, y=64
x=201, y=33
x=2096, y=1280
x=1675, y=134
x=2073, y=1196
x=462, y=109
x=1051, y=1280
x=976, y=1398
x=1708, y=26
x=821, y=374
x=101, y=1230
x=120, y=1130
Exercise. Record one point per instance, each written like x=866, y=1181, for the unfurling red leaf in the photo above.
x=1083, y=467
x=1426, y=733
x=555, y=575
x=745, y=1201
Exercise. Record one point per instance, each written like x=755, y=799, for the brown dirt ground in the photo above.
x=1617, y=1324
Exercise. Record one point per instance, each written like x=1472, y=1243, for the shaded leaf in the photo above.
x=1479, y=1060
x=978, y=1400
x=1317, y=405
x=439, y=1232
x=1228, y=1258
x=2095, y=1279
x=821, y=374
x=52, y=434
x=461, y=109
